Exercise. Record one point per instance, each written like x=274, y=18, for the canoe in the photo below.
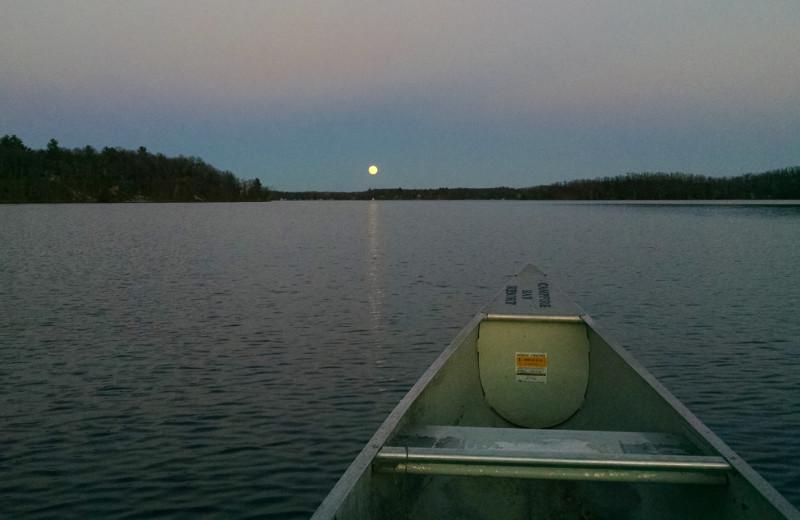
x=532, y=412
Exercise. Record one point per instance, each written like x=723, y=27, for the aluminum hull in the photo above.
x=630, y=450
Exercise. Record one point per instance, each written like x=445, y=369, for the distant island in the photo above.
x=58, y=175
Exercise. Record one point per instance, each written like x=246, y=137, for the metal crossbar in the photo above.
x=551, y=454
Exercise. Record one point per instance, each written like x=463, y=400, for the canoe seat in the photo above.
x=550, y=454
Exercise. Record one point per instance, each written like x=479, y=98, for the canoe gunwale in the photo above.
x=363, y=461
x=778, y=501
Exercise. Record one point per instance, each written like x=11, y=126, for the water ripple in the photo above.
x=229, y=361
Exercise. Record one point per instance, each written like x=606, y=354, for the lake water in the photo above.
x=230, y=360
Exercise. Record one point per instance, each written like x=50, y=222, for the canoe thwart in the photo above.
x=551, y=454
x=534, y=317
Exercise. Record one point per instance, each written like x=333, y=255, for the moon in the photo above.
x=373, y=170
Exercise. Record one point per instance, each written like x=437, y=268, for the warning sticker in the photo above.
x=531, y=367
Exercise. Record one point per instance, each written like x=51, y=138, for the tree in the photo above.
x=52, y=148
x=12, y=142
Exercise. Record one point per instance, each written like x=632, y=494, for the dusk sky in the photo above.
x=306, y=95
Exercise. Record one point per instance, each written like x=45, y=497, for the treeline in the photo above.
x=771, y=185
x=58, y=174
x=407, y=194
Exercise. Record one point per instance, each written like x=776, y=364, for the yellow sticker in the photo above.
x=531, y=367
x=527, y=359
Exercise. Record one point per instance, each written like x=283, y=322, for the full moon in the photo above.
x=373, y=170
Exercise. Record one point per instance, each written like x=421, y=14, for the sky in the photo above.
x=306, y=95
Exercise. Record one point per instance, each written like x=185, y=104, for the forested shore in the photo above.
x=58, y=175
x=783, y=184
